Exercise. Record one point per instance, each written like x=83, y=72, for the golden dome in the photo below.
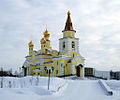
x=31, y=44
x=46, y=33
x=50, y=46
x=43, y=40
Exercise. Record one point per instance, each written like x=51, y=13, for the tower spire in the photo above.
x=68, y=25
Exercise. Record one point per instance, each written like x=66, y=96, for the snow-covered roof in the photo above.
x=39, y=51
x=78, y=57
x=49, y=49
x=36, y=70
x=61, y=57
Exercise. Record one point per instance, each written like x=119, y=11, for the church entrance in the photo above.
x=78, y=71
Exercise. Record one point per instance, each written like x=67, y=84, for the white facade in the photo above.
x=72, y=69
x=68, y=44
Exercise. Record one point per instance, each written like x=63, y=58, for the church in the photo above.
x=47, y=61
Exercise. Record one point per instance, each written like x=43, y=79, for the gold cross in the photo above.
x=31, y=37
x=46, y=26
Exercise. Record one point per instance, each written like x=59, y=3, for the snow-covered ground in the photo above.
x=33, y=88
x=114, y=84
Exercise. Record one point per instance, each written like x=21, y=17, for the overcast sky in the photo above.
x=97, y=23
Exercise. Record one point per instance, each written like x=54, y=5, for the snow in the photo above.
x=35, y=88
x=114, y=84
x=105, y=87
x=36, y=70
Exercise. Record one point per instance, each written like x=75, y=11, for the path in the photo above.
x=81, y=90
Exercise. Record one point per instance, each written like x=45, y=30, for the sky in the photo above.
x=97, y=24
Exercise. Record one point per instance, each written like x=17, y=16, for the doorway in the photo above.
x=78, y=71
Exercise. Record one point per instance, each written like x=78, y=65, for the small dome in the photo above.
x=43, y=40
x=46, y=33
x=50, y=46
x=31, y=44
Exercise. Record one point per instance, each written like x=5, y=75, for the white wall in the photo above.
x=103, y=74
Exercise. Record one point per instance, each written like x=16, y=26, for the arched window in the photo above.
x=57, y=62
x=63, y=45
x=73, y=45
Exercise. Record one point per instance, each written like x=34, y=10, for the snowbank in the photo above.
x=105, y=87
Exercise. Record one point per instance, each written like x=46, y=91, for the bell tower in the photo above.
x=69, y=42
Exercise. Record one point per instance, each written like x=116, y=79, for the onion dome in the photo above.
x=43, y=40
x=31, y=44
x=46, y=33
x=50, y=46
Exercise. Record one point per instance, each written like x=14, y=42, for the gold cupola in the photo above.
x=43, y=40
x=46, y=33
x=31, y=44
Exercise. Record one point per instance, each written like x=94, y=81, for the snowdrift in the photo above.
x=105, y=87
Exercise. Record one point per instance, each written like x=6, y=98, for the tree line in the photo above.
x=7, y=73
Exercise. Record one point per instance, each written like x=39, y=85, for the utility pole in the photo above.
x=49, y=72
x=64, y=72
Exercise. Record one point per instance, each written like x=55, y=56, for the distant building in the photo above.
x=92, y=72
x=102, y=74
x=115, y=75
x=88, y=71
x=66, y=61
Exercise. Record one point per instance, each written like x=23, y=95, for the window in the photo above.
x=61, y=65
x=73, y=45
x=56, y=72
x=45, y=68
x=52, y=68
x=63, y=45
